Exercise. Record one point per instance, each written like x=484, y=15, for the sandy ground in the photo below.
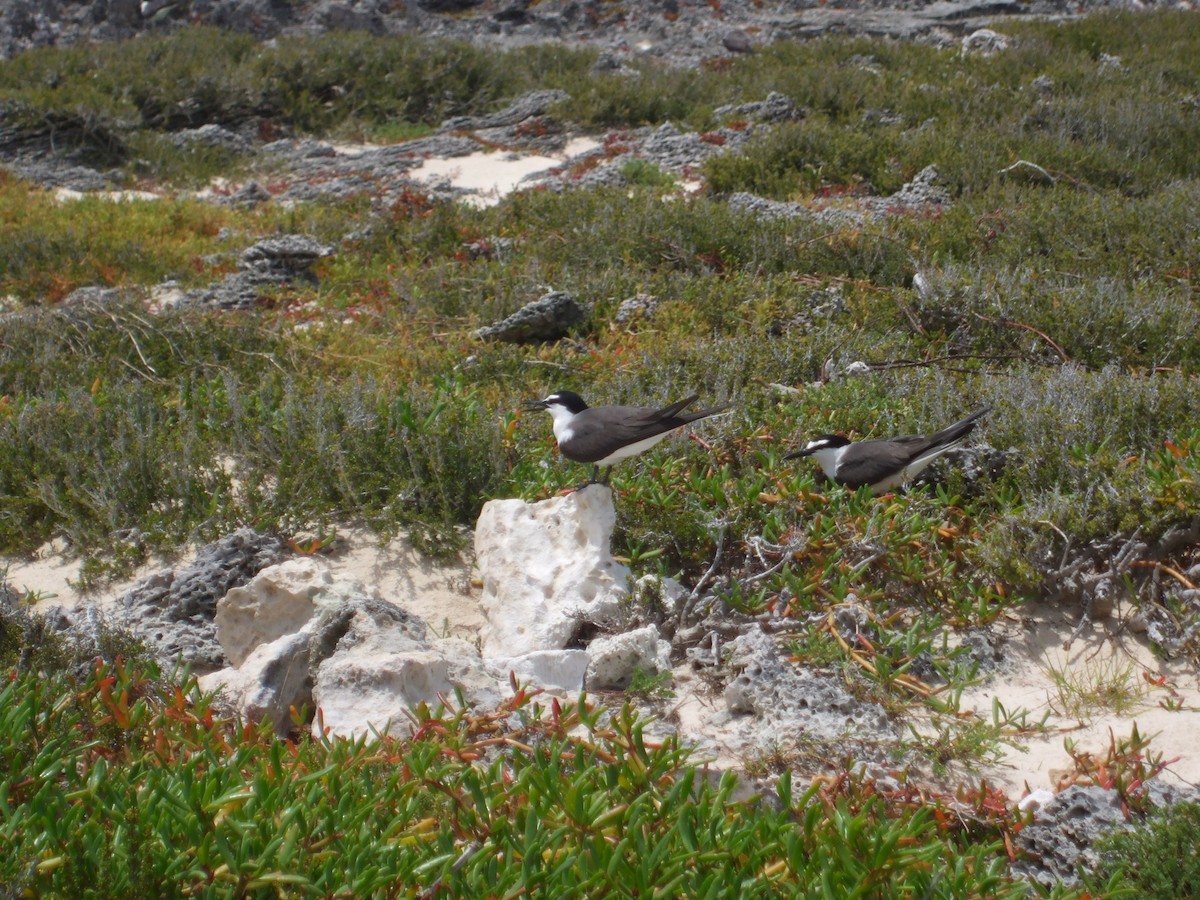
x=65, y=195
x=485, y=177
x=1066, y=686
x=441, y=593
x=488, y=177
x=53, y=579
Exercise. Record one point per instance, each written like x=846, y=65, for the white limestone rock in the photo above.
x=983, y=42
x=554, y=670
x=278, y=601
x=1035, y=800
x=615, y=658
x=547, y=570
x=662, y=590
x=271, y=680
x=298, y=636
x=378, y=675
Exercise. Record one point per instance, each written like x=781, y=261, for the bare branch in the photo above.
x=1024, y=163
x=1049, y=340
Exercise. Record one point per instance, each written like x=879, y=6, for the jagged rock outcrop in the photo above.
x=562, y=670
x=174, y=611
x=676, y=33
x=1061, y=839
x=266, y=265
x=922, y=192
x=791, y=701
x=776, y=108
x=378, y=674
x=298, y=637
x=272, y=680
x=639, y=307
x=533, y=104
x=984, y=42
x=737, y=41
x=280, y=601
x=548, y=318
x=1061, y=836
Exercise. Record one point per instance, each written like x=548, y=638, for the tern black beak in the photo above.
x=807, y=451
x=535, y=405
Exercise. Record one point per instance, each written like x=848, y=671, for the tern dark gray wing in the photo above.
x=664, y=419
x=600, y=431
x=869, y=462
x=670, y=411
x=959, y=430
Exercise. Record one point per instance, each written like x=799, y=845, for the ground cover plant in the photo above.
x=1060, y=292
x=1156, y=859
x=119, y=786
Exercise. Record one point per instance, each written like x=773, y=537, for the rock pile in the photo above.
x=175, y=610
x=294, y=637
x=548, y=318
x=266, y=265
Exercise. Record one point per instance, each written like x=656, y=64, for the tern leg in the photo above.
x=595, y=479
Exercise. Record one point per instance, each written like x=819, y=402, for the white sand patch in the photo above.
x=489, y=177
x=353, y=151
x=52, y=577
x=1100, y=656
x=65, y=195
x=578, y=145
x=217, y=189
x=701, y=716
x=488, y=174
x=47, y=575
